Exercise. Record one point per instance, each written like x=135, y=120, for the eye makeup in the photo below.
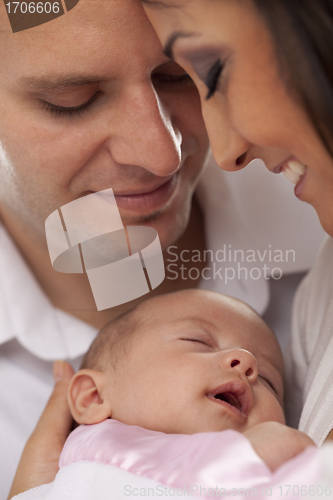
x=212, y=78
x=207, y=64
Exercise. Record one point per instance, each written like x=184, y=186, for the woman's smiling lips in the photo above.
x=235, y=396
x=295, y=171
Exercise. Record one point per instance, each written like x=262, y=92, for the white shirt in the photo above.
x=248, y=210
x=32, y=334
x=309, y=367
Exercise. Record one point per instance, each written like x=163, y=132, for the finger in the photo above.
x=40, y=457
x=56, y=417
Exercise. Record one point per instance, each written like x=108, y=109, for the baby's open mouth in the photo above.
x=229, y=398
x=234, y=395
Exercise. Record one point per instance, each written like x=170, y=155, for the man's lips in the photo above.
x=235, y=396
x=143, y=200
x=144, y=190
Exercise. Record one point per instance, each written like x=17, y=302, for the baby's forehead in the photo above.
x=218, y=314
x=228, y=321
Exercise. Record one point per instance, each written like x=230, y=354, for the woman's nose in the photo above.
x=230, y=150
x=242, y=361
x=145, y=135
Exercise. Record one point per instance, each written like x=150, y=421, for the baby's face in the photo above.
x=199, y=362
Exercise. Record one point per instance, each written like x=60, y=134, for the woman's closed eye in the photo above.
x=213, y=77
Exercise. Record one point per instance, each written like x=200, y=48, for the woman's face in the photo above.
x=226, y=48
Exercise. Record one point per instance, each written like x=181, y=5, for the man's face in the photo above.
x=89, y=102
x=198, y=362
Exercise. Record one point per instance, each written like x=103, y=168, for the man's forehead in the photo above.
x=84, y=47
x=97, y=15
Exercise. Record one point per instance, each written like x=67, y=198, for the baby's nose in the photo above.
x=242, y=361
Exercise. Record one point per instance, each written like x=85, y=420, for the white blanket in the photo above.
x=93, y=481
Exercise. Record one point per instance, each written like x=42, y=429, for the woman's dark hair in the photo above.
x=303, y=34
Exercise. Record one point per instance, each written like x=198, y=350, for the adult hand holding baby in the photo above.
x=40, y=458
x=276, y=443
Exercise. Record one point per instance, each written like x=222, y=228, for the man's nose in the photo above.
x=144, y=135
x=241, y=361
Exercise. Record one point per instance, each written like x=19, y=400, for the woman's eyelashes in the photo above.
x=69, y=111
x=212, y=78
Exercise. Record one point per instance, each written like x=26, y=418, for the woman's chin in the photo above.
x=325, y=216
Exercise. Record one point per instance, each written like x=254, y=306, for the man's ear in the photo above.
x=85, y=399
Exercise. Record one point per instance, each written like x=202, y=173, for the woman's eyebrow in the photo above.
x=168, y=48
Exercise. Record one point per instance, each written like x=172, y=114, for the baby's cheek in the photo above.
x=275, y=410
x=267, y=408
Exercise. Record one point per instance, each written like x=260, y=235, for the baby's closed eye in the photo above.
x=198, y=340
x=266, y=381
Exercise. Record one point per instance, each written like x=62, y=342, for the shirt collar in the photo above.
x=28, y=315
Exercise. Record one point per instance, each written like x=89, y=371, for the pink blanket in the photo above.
x=221, y=461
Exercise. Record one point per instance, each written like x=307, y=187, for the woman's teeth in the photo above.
x=294, y=170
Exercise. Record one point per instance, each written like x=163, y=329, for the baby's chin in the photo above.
x=241, y=425
x=191, y=428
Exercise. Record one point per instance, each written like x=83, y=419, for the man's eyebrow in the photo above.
x=168, y=49
x=51, y=83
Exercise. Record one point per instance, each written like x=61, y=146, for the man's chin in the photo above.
x=158, y=221
x=142, y=219
x=170, y=223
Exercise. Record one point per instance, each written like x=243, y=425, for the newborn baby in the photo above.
x=185, y=363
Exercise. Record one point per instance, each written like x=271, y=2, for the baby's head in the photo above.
x=192, y=361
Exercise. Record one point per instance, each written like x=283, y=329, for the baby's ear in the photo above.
x=85, y=397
